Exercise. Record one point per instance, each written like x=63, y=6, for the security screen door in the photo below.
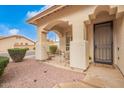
x=103, y=43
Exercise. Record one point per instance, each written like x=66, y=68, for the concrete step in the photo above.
x=73, y=85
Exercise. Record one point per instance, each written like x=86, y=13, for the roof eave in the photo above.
x=44, y=13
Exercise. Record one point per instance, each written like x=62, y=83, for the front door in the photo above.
x=103, y=46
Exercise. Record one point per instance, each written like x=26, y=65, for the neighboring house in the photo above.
x=15, y=41
x=91, y=33
x=50, y=42
x=1, y=36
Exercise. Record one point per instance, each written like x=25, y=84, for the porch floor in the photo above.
x=98, y=76
x=57, y=61
x=104, y=76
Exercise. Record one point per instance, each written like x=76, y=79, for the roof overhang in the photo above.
x=45, y=13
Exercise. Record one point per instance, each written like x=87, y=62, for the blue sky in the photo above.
x=13, y=20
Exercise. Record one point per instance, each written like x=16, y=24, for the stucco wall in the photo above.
x=76, y=16
x=11, y=42
x=7, y=43
x=23, y=40
x=76, y=13
x=120, y=43
x=102, y=17
x=31, y=47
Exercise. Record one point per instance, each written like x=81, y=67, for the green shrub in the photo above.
x=27, y=49
x=34, y=48
x=52, y=49
x=17, y=54
x=3, y=63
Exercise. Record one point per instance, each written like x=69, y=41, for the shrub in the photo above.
x=3, y=63
x=34, y=48
x=27, y=49
x=17, y=54
x=52, y=49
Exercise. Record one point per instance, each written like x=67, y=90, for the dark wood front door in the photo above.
x=103, y=43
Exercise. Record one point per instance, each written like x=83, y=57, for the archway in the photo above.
x=53, y=38
x=61, y=33
x=64, y=32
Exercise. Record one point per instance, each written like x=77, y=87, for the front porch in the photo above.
x=98, y=76
x=61, y=62
x=78, y=22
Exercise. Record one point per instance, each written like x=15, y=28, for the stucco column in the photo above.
x=44, y=39
x=41, y=51
x=63, y=43
x=78, y=47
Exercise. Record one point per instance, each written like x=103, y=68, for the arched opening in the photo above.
x=62, y=31
x=53, y=38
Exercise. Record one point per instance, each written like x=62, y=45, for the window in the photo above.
x=21, y=43
x=16, y=44
x=26, y=43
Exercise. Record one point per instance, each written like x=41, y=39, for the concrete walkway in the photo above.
x=98, y=76
x=104, y=76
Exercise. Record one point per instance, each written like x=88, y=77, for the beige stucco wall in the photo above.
x=102, y=17
x=6, y=44
x=31, y=47
x=76, y=16
x=120, y=43
x=118, y=38
x=22, y=40
x=10, y=42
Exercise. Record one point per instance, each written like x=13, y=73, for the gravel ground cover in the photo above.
x=32, y=74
